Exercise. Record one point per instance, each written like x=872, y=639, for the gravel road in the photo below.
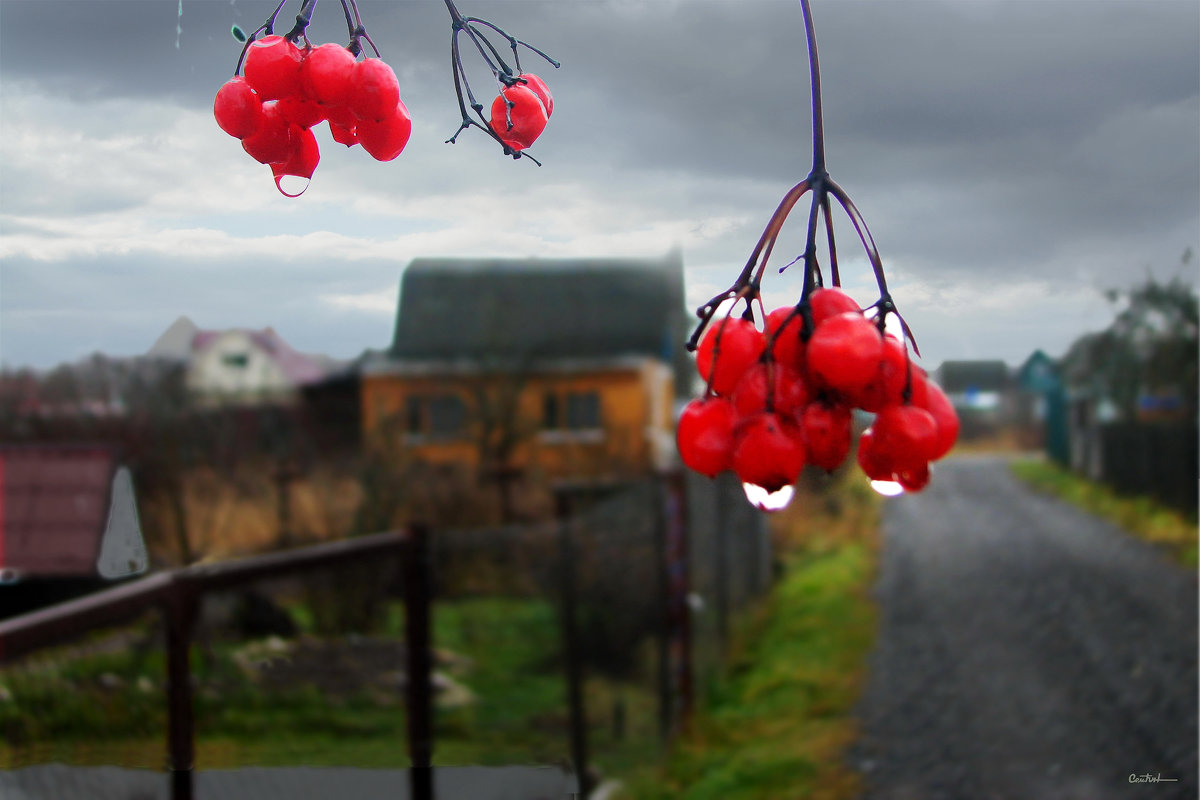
x=1026, y=651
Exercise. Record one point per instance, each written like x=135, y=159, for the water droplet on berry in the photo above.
x=888, y=488
x=763, y=500
x=292, y=185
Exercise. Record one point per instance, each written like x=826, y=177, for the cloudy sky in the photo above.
x=1013, y=159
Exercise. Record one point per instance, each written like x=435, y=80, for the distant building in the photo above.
x=247, y=367
x=68, y=524
x=570, y=367
x=981, y=391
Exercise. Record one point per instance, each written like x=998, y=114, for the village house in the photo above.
x=247, y=367
x=557, y=367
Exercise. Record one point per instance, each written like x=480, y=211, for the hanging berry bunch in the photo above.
x=284, y=86
x=782, y=386
x=523, y=103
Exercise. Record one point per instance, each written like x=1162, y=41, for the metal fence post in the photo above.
x=418, y=564
x=573, y=657
x=179, y=616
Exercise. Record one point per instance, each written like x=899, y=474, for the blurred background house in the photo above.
x=247, y=367
x=533, y=368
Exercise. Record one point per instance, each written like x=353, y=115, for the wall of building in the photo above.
x=566, y=423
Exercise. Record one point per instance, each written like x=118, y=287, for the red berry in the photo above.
x=385, y=139
x=272, y=142
x=914, y=479
x=788, y=392
x=704, y=435
x=301, y=163
x=273, y=67
x=538, y=87
x=935, y=401
x=767, y=454
x=906, y=436
x=886, y=388
x=520, y=124
x=827, y=433
x=733, y=344
x=343, y=135
x=374, y=91
x=788, y=349
x=301, y=111
x=828, y=302
x=237, y=108
x=874, y=464
x=327, y=74
x=844, y=352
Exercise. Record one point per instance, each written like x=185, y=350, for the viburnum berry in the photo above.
x=727, y=350
x=518, y=117
x=906, y=436
x=272, y=67
x=874, y=464
x=935, y=401
x=886, y=387
x=785, y=325
x=828, y=433
x=327, y=74
x=374, y=91
x=301, y=163
x=539, y=87
x=788, y=392
x=343, y=134
x=844, y=352
x=704, y=435
x=301, y=111
x=830, y=301
x=272, y=142
x=768, y=452
x=237, y=108
x=914, y=479
x=385, y=139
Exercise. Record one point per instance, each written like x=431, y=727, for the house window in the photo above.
x=571, y=411
x=583, y=411
x=447, y=415
x=235, y=360
x=435, y=416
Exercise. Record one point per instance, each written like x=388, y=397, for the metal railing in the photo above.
x=178, y=594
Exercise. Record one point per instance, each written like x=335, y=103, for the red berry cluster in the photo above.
x=784, y=396
x=285, y=90
x=520, y=112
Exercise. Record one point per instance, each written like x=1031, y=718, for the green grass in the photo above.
x=507, y=653
x=778, y=724
x=1142, y=516
x=775, y=725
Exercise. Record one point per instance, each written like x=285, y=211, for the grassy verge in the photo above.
x=779, y=723
x=1142, y=516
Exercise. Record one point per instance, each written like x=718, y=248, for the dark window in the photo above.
x=447, y=415
x=239, y=360
x=583, y=411
x=414, y=418
x=550, y=411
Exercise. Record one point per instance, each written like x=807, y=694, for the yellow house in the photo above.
x=562, y=368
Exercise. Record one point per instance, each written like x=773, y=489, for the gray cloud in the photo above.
x=986, y=141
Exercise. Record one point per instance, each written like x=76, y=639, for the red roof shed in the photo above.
x=67, y=511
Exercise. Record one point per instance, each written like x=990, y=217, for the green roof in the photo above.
x=518, y=311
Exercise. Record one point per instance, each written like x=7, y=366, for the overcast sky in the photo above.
x=1013, y=159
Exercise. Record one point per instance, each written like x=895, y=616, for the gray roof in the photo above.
x=961, y=376
x=515, y=312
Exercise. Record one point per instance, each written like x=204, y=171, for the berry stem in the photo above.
x=814, y=74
